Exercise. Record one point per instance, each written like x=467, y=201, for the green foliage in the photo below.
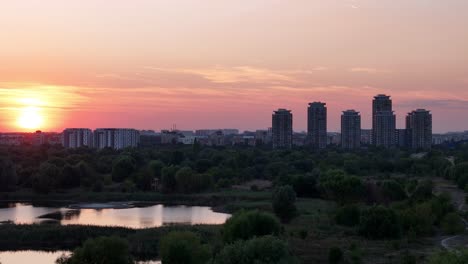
x=450, y=257
x=348, y=215
x=335, y=255
x=418, y=219
x=379, y=222
x=263, y=250
x=335, y=184
x=284, y=199
x=8, y=176
x=188, y=181
x=423, y=191
x=46, y=179
x=393, y=190
x=102, y=250
x=183, y=248
x=452, y=224
x=248, y=224
x=123, y=168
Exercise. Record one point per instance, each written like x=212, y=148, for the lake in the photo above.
x=135, y=217
x=40, y=257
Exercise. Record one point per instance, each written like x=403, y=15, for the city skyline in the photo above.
x=151, y=64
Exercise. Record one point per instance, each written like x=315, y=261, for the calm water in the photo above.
x=143, y=217
x=39, y=257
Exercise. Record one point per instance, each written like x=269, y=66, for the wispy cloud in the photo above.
x=367, y=70
x=239, y=74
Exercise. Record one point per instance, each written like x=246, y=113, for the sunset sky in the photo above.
x=149, y=64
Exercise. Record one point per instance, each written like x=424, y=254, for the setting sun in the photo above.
x=30, y=118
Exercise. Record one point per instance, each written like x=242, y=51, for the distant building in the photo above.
x=333, y=138
x=170, y=137
x=77, y=138
x=419, y=129
x=366, y=136
x=384, y=129
x=116, y=138
x=263, y=137
x=401, y=138
x=13, y=139
x=299, y=139
x=282, y=128
x=350, y=130
x=383, y=121
x=317, y=125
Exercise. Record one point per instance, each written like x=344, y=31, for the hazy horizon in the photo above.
x=221, y=64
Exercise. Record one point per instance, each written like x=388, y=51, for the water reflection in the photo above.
x=40, y=257
x=142, y=217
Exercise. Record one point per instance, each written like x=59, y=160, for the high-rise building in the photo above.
x=317, y=125
x=116, y=138
x=383, y=133
x=419, y=129
x=350, y=130
x=77, y=138
x=383, y=121
x=282, y=123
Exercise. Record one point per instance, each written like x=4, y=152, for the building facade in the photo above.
x=419, y=129
x=317, y=125
x=350, y=130
x=116, y=138
x=383, y=121
x=282, y=126
x=77, y=138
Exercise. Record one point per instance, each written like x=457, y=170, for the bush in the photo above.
x=348, y=215
x=379, y=222
x=284, y=199
x=102, y=250
x=393, y=191
x=248, y=224
x=183, y=248
x=452, y=224
x=263, y=250
x=335, y=255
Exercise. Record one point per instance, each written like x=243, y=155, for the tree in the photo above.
x=348, y=215
x=8, y=177
x=335, y=255
x=102, y=250
x=123, y=167
x=183, y=248
x=184, y=178
x=393, y=191
x=155, y=168
x=379, y=222
x=284, y=199
x=450, y=257
x=337, y=185
x=263, y=250
x=47, y=178
x=168, y=178
x=453, y=224
x=423, y=191
x=248, y=224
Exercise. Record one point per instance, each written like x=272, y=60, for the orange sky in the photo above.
x=149, y=64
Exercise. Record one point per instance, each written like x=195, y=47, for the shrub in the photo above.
x=284, y=199
x=379, y=222
x=348, y=215
x=183, y=248
x=263, y=250
x=248, y=224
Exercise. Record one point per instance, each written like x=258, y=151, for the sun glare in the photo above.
x=30, y=118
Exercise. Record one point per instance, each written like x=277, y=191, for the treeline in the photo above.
x=180, y=169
